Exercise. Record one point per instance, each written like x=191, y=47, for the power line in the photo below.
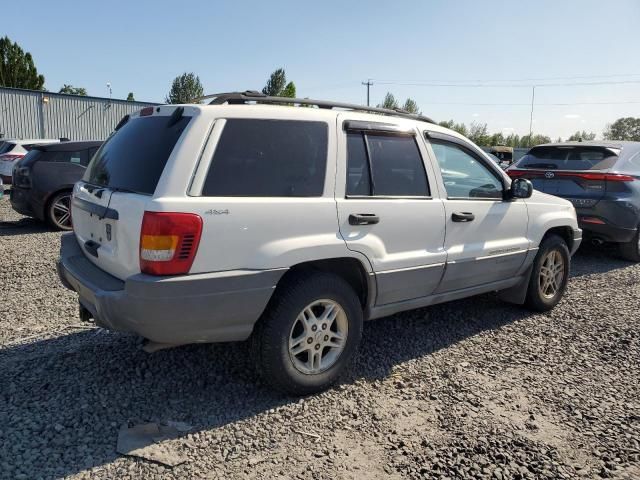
x=536, y=79
x=484, y=104
x=483, y=85
x=368, y=83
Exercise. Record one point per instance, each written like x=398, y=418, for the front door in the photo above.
x=386, y=210
x=486, y=239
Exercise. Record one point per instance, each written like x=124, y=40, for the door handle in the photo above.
x=462, y=217
x=363, y=219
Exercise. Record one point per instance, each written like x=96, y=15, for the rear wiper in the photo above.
x=550, y=166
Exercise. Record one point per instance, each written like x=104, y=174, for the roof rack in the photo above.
x=240, y=98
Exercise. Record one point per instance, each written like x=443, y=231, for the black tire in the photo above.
x=270, y=339
x=631, y=250
x=536, y=299
x=52, y=216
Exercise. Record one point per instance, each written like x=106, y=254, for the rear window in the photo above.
x=134, y=156
x=6, y=147
x=268, y=158
x=569, y=158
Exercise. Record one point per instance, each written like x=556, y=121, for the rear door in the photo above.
x=388, y=208
x=486, y=236
x=109, y=203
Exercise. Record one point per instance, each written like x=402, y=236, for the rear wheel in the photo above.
x=549, y=275
x=309, y=334
x=631, y=250
x=59, y=211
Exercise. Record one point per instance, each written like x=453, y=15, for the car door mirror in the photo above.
x=521, y=188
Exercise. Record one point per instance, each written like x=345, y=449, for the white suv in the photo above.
x=12, y=151
x=216, y=223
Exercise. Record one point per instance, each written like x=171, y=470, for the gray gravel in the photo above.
x=472, y=389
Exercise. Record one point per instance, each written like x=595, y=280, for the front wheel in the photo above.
x=631, y=250
x=549, y=275
x=309, y=333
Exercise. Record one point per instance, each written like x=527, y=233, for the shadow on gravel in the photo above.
x=590, y=260
x=24, y=226
x=62, y=400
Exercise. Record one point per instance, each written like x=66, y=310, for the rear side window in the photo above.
x=6, y=147
x=268, y=158
x=77, y=158
x=384, y=165
x=569, y=158
x=134, y=156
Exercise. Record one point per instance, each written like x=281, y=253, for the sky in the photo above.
x=470, y=61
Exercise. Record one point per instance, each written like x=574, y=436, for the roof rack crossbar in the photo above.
x=239, y=98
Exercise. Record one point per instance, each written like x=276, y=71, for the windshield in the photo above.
x=134, y=156
x=569, y=158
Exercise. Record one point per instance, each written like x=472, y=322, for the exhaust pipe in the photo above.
x=597, y=242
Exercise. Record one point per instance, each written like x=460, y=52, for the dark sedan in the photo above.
x=601, y=179
x=43, y=180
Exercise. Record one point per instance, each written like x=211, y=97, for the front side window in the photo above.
x=464, y=175
x=269, y=158
x=384, y=165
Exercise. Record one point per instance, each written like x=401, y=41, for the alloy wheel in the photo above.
x=318, y=336
x=61, y=212
x=552, y=274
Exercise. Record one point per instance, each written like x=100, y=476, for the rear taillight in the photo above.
x=10, y=157
x=22, y=177
x=595, y=176
x=169, y=242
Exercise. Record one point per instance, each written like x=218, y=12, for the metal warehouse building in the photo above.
x=37, y=114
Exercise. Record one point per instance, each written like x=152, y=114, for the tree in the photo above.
x=17, y=69
x=185, y=89
x=71, y=90
x=497, y=139
x=478, y=134
x=289, y=91
x=389, y=102
x=627, y=128
x=457, y=127
x=580, y=136
x=130, y=97
x=411, y=106
x=276, y=84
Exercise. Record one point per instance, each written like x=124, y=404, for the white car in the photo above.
x=12, y=151
x=291, y=226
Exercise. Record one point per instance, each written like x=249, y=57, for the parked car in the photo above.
x=601, y=179
x=216, y=223
x=43, y=180
x=13, y=150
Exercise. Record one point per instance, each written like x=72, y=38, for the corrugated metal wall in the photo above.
x=32, y=114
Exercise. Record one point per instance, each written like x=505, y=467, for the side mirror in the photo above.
x=521, y=188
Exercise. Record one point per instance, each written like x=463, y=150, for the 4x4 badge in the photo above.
x=217, y=212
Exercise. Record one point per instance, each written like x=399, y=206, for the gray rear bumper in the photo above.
x=213, y=307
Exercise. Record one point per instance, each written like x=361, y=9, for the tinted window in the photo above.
x=77, y=158
x=569, y=158
x=464, y=175
x=6, y=147
x=134, y=156
x=269, y=158
x=358, y=181
x=396, y=166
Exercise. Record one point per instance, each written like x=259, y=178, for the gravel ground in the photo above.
x=472, y=389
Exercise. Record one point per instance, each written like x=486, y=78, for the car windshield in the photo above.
x=569, y=158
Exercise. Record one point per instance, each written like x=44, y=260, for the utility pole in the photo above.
x=533, y=97
x=368, y=83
